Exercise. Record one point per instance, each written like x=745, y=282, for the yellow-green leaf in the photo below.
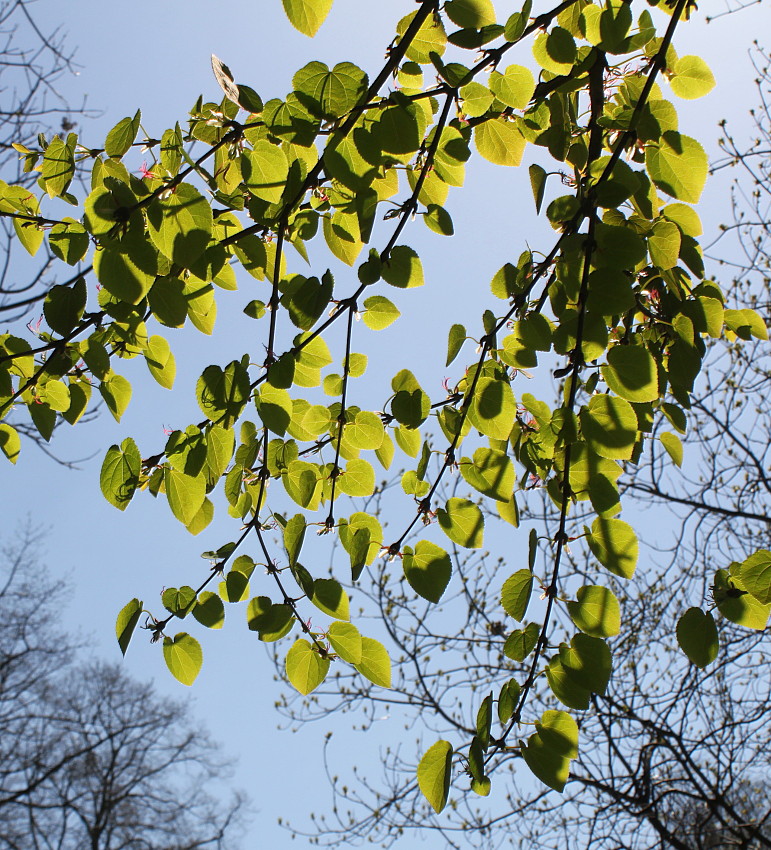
x=434, y=774
x=305, y=668
x=183, y=656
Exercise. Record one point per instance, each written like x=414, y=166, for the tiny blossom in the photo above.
x=144, y=171
x=35, y=327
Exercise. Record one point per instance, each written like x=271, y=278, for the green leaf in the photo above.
x=568, y=691
x=735, y=603
x=342, y=234
x=64, y=306
x=430, y=38
x=346, y=641
x=127, y=275
x=160, y=361
x=462, y=521
x=500, y=142
x=434, y=774
x=664, y=244
x=362, y=537
x=375, y=664
x=183, y=656
x=484, y=721
x=301, y=482
x=559, y=732
x=674, y=447
x=185, y=493
x=309, y=300
x=746, y=323
x=128, y=617
x=180, y=224
x=547, y=765
x=515, y=593
x=517, y=22
x=691, y=78
x=330, y=597
x=491, y=473
x=587, y=661
x=55, y=394
x=307, y=15
x=471, y=14
x=358, y=479
x=178, y=600
x=614, y=544
x=596, y=611
x=631, y=373
x=119, y=477
x=10, y=442
x=379, y=312
x=275, y=408
x=507, y=700
x=609, y=426
x=209, y=610
x=305, y=668
x=265, y=169
x=678, y=165
x=222, y=394
x=122, y=135
x=493, y=409
x=366, y=431
x=538, y=177
x=330, y=94
x=427, y=569
x=755, y=574
x=456, y=338
x=610, y=292
x=69, y=241
x=480, y=783
x=514, y=87
x=403, y=268
x=439, y=220
x=697, y=636
x=294, y=535
x=555, y=50
x=58, y=167
x=519, y=644
x=270, y=621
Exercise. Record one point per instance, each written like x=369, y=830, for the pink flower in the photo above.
x=145, y=172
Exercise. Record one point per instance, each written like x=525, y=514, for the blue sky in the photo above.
x=155, y=55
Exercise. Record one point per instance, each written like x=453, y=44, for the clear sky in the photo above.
x=155, y=55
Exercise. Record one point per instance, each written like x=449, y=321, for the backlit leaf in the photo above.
x=128, y=617
x=305, y=668
x=697, y=636
x=375, y=664
x=462, y=521
x=307, y=15
x=434, y=774
x=183, y=656
x=515, y=593
x=428, y=569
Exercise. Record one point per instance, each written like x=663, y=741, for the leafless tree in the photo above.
x=89, y=757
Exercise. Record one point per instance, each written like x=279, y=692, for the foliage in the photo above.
x=617, y=303
x=671, y=755
x=88, y=755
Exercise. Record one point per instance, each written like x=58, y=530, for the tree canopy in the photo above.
x=615, y=308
